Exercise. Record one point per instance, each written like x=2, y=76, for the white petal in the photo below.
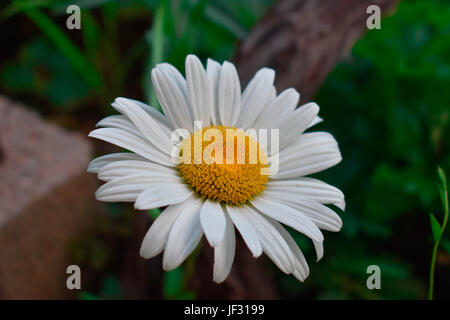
x=184, y=236
x=213, y=222
x=124, y=168
x=156, y=237
x=224, y=253
x=316, y=120
x=309, y=188
x=199, y=90
x=132, y=142
x=273, y=243
x=162, y=120
x=128, y=188
x=311, y=153
x=322, y=216
x=246, y=229
x=145, y=124
x=120, y=122
x=162, y=194
x=301, y=269
x=172, y=95
x=213, y=73
x=229, y=97
x=296, y=123
x=318, y=245
x=278, y=109
x=98, y=163
x=288, y=216
x=176, y=77
x=255, y=97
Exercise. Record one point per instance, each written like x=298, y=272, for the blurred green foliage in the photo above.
x=110, y=290
x=108, y=57
x=44, y=71
x=174, y=283
x=388, y=106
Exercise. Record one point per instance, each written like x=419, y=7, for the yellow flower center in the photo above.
x=223, y=164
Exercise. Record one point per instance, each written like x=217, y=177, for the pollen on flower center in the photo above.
x=223, y=164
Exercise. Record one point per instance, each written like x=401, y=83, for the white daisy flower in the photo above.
x=211, y=199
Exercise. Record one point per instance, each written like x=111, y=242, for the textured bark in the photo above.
x=304, y=39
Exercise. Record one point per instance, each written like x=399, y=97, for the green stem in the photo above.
x=433, y=263
x=438, y=241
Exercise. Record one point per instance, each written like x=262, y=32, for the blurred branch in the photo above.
x=304, y=39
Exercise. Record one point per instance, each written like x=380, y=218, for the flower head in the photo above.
x=221, y=159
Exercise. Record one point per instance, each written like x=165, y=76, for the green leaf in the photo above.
x=441, y=174
x=443, y=187
x=155, y=38
x=65, y=89
x=21, y=5
x=17, y=77
x=154, y=213
x=111, y=288
x=66, y=46
x=85, y=295
x=91, y=35
x=172, y=283
x=435, y=228
x=186, y=295
x=221, y=17
x=442, y=195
